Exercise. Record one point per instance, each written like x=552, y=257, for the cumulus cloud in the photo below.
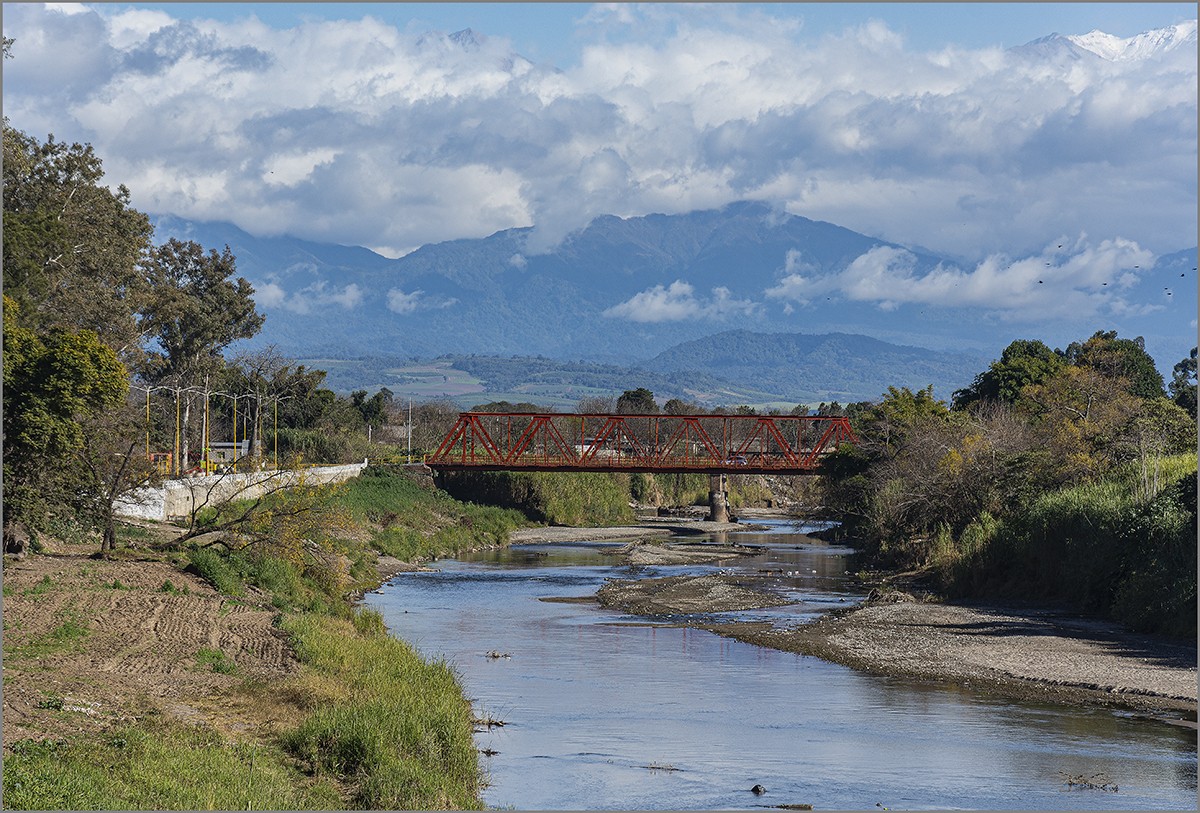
x=312, y=297
x=1074, y=281
x=677, y=302
x=405, y=303
x=358, y=132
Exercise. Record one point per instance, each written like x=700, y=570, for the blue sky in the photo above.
x=1041, y=171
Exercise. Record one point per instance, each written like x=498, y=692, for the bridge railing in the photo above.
x=653, y=443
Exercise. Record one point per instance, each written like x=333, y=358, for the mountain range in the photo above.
x=623, y=291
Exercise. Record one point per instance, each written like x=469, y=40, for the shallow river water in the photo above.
x=603, y=710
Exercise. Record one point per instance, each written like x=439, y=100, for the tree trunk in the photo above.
x=16, y=538
x=109, y=542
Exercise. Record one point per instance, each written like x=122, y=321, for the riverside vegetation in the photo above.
x=1062, y=476
x=375, y=725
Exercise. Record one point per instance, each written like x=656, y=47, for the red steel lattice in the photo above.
x=711, y=444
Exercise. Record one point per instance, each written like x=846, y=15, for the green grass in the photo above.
x=398, y=727
x=41, y=588
x=558, y=498
x=217, y=570
x=415, y=523
x=158, y=766
x=66, y=636
x=216, y=660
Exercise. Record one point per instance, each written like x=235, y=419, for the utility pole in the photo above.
x=409, y=432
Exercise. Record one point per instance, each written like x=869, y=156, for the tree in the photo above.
x=637, y=402
x=1083, y=414
x=677, y=406
x=111, y=467
x=595, y=405
x=71, y=245
x=1183, y=384
x=1119, y=358
x=197, y=311
x=52, y=382
x=374, y=410
x=1023, y=362
x=885, y=426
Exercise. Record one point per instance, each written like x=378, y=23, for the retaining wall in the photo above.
x=177, y=498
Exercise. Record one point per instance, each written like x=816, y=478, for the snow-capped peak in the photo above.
x=1141, y=46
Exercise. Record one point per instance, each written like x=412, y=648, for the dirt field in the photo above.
x=90, y=643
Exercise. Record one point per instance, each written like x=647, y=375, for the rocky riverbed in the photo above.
x=1032, y=654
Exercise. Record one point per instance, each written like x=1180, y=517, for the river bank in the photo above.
x=1027, y=653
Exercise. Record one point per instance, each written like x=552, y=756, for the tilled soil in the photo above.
x=111, y=641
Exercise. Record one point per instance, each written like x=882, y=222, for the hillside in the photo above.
x=825, y=367
x=729, y=368
x=623, y=290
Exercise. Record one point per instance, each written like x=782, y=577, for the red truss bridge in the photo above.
x=704, y=444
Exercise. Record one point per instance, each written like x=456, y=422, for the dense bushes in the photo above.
x=558, y=498
x=1099, y=547
x=1051, y=478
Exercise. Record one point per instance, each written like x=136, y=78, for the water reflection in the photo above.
x=603, y=711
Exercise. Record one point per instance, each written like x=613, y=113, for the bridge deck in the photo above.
x=702, y=444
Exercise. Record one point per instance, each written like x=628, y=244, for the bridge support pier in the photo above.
x=718, y=506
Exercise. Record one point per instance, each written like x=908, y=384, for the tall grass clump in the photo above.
x=398, y=731
x=1106, y=548
x=216, y=569
x=557, y=498
x=158, y=765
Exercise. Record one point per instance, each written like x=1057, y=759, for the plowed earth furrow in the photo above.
x=139, y=650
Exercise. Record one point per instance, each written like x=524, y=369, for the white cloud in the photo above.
x=68, y=8
x=407, y=303
x=400, y=302
x=312, y=297
x=387, y=137
x=1063, y=281
x=677, y=302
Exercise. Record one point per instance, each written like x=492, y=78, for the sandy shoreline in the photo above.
x=1029, y=654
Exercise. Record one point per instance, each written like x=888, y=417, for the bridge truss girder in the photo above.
x=702, y=444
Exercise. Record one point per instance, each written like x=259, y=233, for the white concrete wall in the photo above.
x=177, y=498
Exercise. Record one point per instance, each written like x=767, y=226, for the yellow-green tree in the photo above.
x=53, y=381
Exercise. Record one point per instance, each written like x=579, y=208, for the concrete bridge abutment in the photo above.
x=718, y=499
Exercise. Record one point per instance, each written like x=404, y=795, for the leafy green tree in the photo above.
x=1119, y=358
x=1023, y=362
x=72, y=246
x=52, y=382
x=1183, y=384
x=677, y=406
x=504, y=406
x=637, y=402
x=197, y=311
x=374, y=410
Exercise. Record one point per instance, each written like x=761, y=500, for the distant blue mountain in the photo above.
x=492, y=296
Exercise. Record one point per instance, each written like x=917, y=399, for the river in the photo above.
x=603, y=710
